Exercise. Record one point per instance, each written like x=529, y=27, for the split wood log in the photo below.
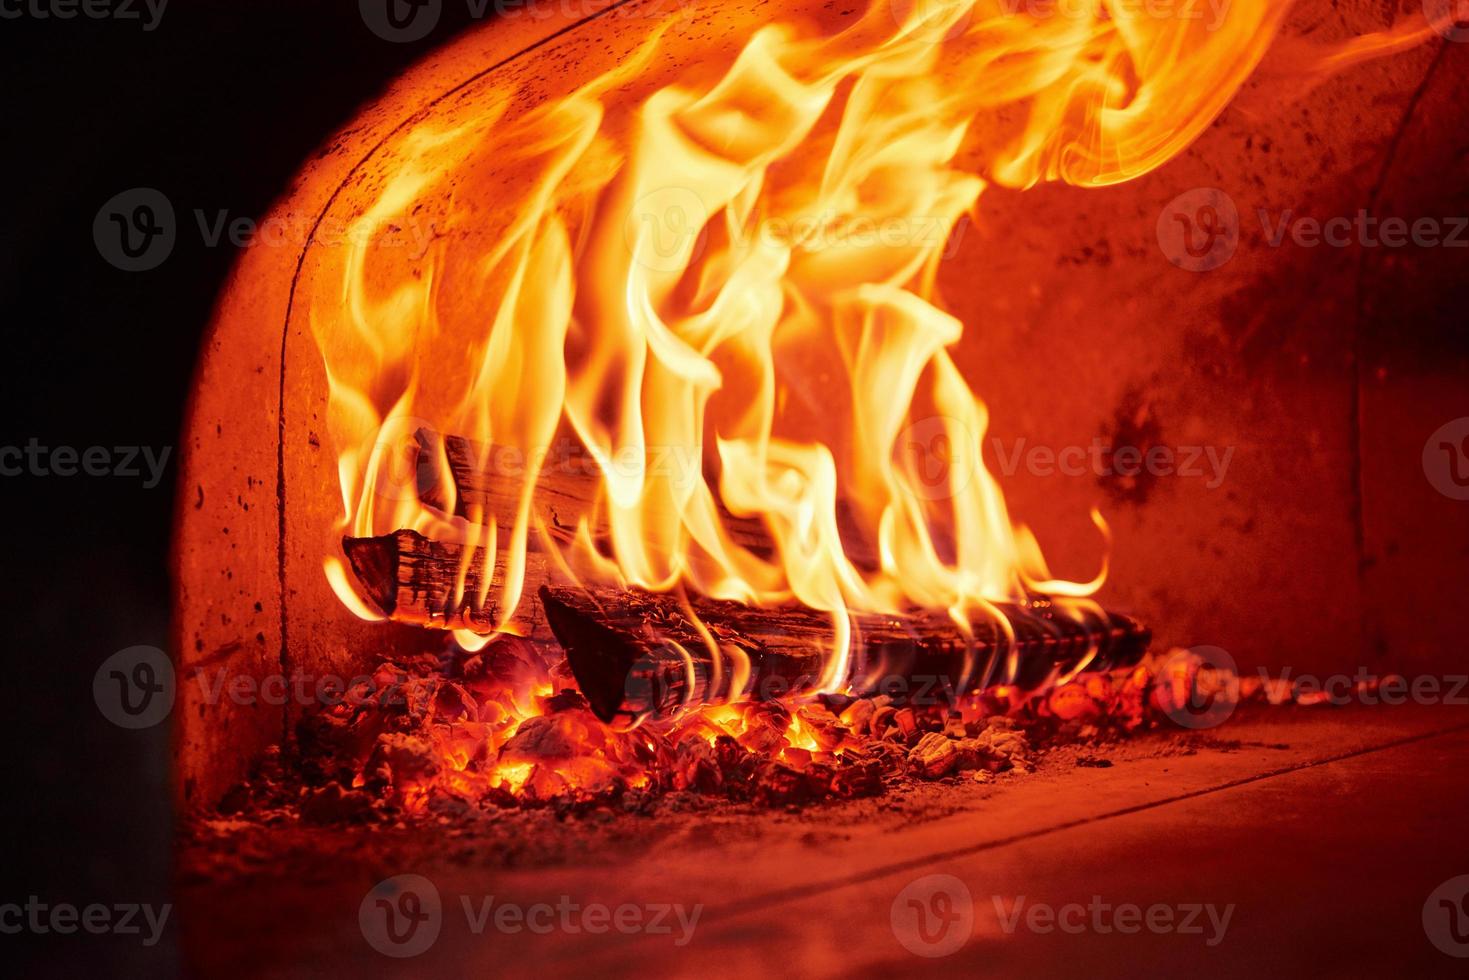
x=489, y=480
x=412, y=579
x=638, y=654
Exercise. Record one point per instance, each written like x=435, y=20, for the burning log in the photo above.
x=638, y=654
x=414, y=580
x=489, y=479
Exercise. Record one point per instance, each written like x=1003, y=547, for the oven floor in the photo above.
x=1325, y=828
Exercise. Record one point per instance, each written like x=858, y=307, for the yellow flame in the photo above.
x=724, y=286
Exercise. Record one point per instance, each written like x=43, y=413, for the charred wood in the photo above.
x=639, y=654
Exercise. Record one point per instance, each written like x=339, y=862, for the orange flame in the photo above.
x=724, y=285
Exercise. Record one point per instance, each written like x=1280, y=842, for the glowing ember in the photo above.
x=484, y=730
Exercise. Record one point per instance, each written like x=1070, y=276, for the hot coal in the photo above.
x=478, y=732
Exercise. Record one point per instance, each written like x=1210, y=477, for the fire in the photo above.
x=480, y=731
x=722, y=282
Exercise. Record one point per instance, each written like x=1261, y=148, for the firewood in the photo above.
x=907, y=723
x=934, y=756
x=489, y=480
x=638, y=654
x=414, y=580
x=882, y=719
x=859, y=714
x=954, y=725
x=1003, y=745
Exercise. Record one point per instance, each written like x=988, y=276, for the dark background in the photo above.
x=216, y=107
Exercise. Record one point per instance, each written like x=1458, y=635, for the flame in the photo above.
x=724, y=286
